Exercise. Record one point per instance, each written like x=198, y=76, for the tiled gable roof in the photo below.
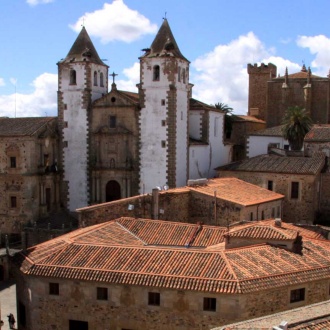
x=227, y=188
x=244, y=118
x=23, y=126
x=278, y=164
x=271, y=131
x=318, y=134
x=91, y=254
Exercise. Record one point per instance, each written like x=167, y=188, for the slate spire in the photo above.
x=83, y=50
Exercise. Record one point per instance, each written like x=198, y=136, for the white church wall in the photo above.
x=258, y=145
x=195, y=119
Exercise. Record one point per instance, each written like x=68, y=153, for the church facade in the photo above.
x=106, y=144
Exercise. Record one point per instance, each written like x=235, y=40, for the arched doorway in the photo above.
x=112, y=191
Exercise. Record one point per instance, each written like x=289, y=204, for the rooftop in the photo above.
x=278, y=164
x=318, y=133
x=175, y=255
x=24, y=126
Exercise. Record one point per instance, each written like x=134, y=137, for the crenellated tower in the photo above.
x=164, y=97
x=82, y=78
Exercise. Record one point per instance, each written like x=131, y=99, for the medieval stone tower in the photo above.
x=258, y=77
x=82, y=78
x=164, y=99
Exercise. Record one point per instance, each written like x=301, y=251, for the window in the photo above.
x=102, y=293
x=13, y=202
x=95, y=78
x=294, y=190
x=13, y=162
x=163, y=102
x=78, y=325
x=181, y=115
x=156, y=73
x=54, y=289
x=73, y=80
x=251, y=216
x=163, y=123
x=278, y=211
x=270, y=185
x=273, y=212
x=179, y=73
x=184, y=76
x=216, y=126
x=101, y=80
x=297, y=295
x=210, y=304
x=113, y=121
x=154, y=298
x=163, y=144
x=262, y=215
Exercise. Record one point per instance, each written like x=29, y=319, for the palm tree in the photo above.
x=296, y=124
x=228, y=117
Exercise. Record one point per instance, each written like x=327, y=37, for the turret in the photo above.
x=82, y=78
x=164, y=96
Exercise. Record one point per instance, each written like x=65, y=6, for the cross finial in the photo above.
x=83, y=23
x=113, y=75
x=165, y=15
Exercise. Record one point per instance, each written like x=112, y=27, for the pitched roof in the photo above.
x=271, y=131
x=198, y=105
x=116, y=252
x=83, y=49
x=278, y=164
x=227, y=188
x=23, y=126
x=318, y=133
x=164, y=43
x=243, y=118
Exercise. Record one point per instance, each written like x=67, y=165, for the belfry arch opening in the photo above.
x=112, y=191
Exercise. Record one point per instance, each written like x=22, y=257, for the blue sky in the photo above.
x=219, y=37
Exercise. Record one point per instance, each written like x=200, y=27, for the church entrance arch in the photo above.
x=112, y=191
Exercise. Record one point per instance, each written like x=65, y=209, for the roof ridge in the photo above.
x=126, y=229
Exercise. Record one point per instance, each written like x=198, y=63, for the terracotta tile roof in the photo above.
x=97, y=254
x=278, y=164
x=239, y=118
x=227, y=188
x=310, y=317
x=198, y=105
x=134, y=97
x=271, y=131
x=318, y=133
x=23, y=126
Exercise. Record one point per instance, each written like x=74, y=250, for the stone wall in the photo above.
x=127, y=306
x=300, y=210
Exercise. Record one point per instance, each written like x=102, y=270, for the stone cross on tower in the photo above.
x=113, y=85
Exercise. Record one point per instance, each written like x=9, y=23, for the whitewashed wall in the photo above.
x=258, y=145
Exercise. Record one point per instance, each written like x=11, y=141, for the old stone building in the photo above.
x=270, y=96
x=112, y=144
x=299, y=179
x=151, y=274
x=221, y=201
x=29, y=177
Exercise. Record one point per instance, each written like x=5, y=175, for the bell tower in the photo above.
x=164, y=97
x=82, y=78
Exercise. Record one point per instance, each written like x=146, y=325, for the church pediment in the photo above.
x=117, y=98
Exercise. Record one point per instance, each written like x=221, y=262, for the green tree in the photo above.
x=296, y=124
x=228, y=117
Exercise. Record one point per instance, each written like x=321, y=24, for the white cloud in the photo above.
x=319, y=46
x=38, y=2
x=115, y=21
x=41, y=102
x=2, y=82
x=133, y=75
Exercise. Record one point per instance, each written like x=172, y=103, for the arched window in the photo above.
x=95, y=78
x=184, y=76
x=179, y=73
x=156, y=73
x=101, y=79
x=73, y=80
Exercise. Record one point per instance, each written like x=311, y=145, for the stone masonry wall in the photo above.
x=127, y=306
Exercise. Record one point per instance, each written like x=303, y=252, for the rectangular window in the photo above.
x=210, y=304
x=113, y=121
x=102, y=293
x=163, y=102
x=163, y=144
x=13, y=162
x=216, y=126
x=270, y=185
x=262, y=215
x=154, y=298
x=13, y=201
x=163, y=123
x=297, y=295
x=54, y=289
x=273, y=212
x=251, y=216
x=294, y=190
x=78, y=325
x=278, y=211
